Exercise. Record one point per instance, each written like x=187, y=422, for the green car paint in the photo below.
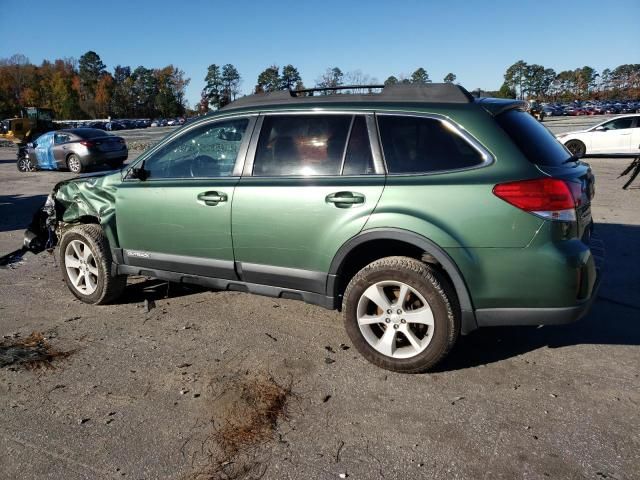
x=506, y=258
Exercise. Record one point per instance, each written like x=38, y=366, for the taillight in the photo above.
x=548, y=198
x=87, y=143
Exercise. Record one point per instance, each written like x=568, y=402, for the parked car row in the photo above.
x=590, y=108
x=171, y=122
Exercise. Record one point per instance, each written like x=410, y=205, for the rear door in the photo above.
x=310, y=183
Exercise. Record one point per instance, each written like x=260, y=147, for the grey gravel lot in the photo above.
x=146, y=392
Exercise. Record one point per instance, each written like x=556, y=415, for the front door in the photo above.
x=311, y=186
x=614, y=138
x=178, y=219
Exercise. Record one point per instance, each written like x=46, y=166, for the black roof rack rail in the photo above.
x=412, y=93
x=333, y=89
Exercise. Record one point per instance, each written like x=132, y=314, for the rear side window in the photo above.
x=424, y=145
x=533, y=139
x=306, y=145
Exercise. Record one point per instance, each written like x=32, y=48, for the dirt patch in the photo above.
x=245, y=415
x=32, y=353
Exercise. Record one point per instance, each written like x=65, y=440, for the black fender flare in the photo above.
x=468, y=320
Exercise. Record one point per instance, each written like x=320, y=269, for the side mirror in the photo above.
x=601, y=128
x=140, y=173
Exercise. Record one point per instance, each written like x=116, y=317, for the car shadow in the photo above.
x=16, y=211
x=613, y=320
x=153, y=290
x=2, y=162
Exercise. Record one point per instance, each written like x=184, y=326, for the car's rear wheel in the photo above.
x=399, y=316
x=576, y=147
x=24, y=164
x=86, y=265
x=74, y=164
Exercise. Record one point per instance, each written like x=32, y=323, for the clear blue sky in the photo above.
x=475, y=40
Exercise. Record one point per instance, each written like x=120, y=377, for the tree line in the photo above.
x=222, y=83
x=79, y=89
x=85, y=89
x=523, y=80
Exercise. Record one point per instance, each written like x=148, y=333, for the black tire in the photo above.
x=24, y=164
x=108, y=286
x=74, y=164
x=576, y=147
x=428, y=283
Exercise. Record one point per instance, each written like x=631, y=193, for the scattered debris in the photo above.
x=73, y=319
x=13, y=259
x=32, y=353
x=271, y=337
x=553, y=395
x=184, y=365
x=83, y=420
x=329, y=349
x=326, y=398
x=329, y=361
x=343, y=475
x=457, y=399
x=339, y=450
x=183, y=391
x=149, y=305
x=344, y=347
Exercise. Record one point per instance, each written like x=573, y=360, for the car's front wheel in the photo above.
x=576, y=147
x=24, y=164
x=86, y=265
x=399, y=316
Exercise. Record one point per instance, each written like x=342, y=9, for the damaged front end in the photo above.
x=86, y=199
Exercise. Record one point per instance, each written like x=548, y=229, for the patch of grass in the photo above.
x=245, y=415
x=32, y=353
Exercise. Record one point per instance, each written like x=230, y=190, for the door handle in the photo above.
x=212, y=199
x=345, y=199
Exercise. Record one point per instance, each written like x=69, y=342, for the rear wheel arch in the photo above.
x=374, y=244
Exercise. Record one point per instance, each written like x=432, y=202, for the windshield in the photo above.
x=535, y=141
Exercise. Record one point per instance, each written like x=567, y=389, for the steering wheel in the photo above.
x=202, y=166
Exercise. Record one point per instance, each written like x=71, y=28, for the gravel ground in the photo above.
x=176, y=382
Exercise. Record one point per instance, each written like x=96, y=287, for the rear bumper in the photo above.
x=496, y=317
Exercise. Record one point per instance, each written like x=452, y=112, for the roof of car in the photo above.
x=399, y=93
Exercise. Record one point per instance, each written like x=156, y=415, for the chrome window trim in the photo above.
x=487, y=156
x=240, y=158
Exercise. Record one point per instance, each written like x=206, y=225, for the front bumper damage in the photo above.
x=87, y=199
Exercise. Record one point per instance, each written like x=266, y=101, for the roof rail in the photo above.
x=410, y=93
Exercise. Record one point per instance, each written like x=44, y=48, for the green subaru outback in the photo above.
x=420, y=212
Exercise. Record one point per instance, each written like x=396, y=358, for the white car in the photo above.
x=617, y=136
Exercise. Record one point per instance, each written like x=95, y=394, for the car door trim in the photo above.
x=206, y=267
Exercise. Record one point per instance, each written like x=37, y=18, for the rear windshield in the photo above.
x=535, y=141
x=89, y=132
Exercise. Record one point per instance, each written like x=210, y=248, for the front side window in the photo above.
x=301, y=145
x=619, y=124
x=206, y=151
x=424, y=145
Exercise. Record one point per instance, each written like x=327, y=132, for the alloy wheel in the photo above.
x=395, y=319
x=81, y=267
